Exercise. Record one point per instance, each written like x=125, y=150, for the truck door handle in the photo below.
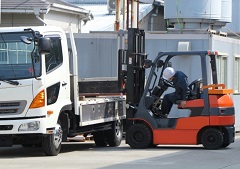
x=64, y=84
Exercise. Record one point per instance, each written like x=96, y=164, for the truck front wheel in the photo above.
x=51, y=143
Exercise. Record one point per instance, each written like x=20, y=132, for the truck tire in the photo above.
x=139, y=136
x=114, y=136
x=212, y=139
x=51, y=144
x=31, y=145
x=100, y=139
x=27, y=145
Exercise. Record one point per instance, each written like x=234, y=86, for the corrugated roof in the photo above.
x=103, y=21
x=15, y=6
x=24, y=4
x=87, y=1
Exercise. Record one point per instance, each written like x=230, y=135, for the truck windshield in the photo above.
x=16, y=57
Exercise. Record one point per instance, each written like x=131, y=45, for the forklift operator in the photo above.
x=182, y=91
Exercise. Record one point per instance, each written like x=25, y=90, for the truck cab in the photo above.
x=40, y=103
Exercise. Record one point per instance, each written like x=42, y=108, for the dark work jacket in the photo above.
x=180, y=84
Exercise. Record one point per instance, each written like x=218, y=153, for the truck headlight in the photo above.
x=32, y=126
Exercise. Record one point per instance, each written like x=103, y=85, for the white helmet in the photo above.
x=168, y=73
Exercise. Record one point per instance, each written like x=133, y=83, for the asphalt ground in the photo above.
x=85, y=155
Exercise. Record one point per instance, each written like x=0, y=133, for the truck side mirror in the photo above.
x=44, y=45
x=26, y=40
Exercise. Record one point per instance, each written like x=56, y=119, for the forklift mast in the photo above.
x=131, y=72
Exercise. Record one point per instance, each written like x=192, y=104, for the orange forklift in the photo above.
x=211, y=117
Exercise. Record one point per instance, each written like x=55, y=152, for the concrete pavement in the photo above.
x=85, y=155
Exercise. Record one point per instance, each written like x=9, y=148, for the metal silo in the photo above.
x=197, y=14
x=226, y=14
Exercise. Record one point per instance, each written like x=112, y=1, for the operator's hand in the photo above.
x=183, y=103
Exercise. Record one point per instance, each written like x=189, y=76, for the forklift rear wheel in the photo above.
x=139, y=136
x=226, y=141
x=114, y=135
x=224, y=145
x=212, y=139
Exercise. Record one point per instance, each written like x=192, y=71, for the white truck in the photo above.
x=40, y=103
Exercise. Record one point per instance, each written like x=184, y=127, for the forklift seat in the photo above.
x=195, y=90
x=195, y=93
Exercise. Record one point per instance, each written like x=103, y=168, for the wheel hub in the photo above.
x=58, y=136
x=139, y=136
x=117, y=128
x=211, y=139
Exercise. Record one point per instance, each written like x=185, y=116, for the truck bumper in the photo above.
x=23, y=126
x=22, y=131
x=6, y=140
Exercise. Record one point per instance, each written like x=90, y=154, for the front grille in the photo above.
x=6, y=127
x=9, y=104
x=16, y=107
x=7, y=111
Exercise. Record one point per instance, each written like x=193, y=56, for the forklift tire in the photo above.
x=100, y=139
x=224, y=145
x=226, y=141
x=139, y=136
x=114, y=135
x=212, y=139
x=51, y=144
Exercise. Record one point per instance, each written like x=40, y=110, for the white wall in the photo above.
x=53, y=18
x=63, y=20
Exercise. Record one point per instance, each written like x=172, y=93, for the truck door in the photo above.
x=57, y=76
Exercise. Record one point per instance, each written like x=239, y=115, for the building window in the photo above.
x=222, y=69
x=15, y=53
x=237, y=74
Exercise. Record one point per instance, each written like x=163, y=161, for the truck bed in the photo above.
x=102, y=108
x=98, y=85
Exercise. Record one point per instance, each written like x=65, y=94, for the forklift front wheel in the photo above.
x=139, y=136
x=212, y=139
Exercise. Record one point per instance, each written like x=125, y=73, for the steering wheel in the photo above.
x=51, y=66
x=168, y=83
x=195, y=82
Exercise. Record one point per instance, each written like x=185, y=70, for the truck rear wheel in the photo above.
x=114, y=136
x=212, y=139
x=139, y=136
x=31, y=145
x=51, y=144
x=100, y=139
